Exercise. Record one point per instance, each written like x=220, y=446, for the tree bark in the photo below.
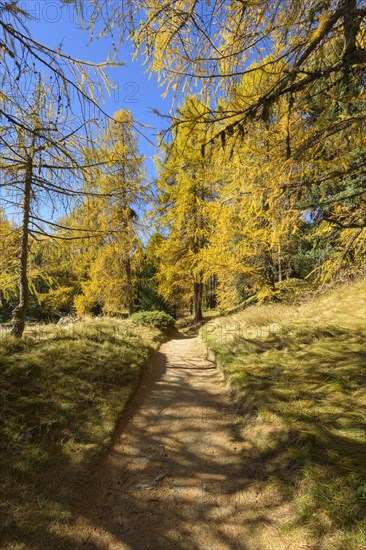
x=352, y=20
x=268, y=271
x=3, y=302
x=19, y=312
x=210, y=292
x=197, y=301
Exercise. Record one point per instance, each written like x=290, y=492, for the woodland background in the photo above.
x=261, y=174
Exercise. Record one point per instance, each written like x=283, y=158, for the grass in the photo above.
x=62, y=391
x=299, y=376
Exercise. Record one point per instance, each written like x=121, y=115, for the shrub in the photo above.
x=156, y=319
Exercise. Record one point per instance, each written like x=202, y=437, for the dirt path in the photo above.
x=174, y=479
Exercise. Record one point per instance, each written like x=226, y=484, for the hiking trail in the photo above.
x=174, y=478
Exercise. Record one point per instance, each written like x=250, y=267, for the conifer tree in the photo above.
x=186, y=188
x=39, y=167
x=121, y=189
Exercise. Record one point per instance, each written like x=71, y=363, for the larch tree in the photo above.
x=23, y=58
x=186, y=187
x=9, y=244
x=122, y=190
x=219, y=43
x=42, y=135
x=38, y=132
x=329, y=179
x=41, y=168
x=314, y=52
x=251, y=215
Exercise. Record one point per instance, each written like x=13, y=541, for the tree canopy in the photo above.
x=260, y=174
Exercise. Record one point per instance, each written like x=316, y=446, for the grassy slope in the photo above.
x=299, y=375
x=62, y=391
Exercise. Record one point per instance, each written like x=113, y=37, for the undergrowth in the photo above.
x=155, y=319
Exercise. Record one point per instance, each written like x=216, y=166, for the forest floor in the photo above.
x=276, y=463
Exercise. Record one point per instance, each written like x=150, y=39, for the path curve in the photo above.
x=174, y=478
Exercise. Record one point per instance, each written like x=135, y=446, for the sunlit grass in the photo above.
x=62, y=392
x=302, y=392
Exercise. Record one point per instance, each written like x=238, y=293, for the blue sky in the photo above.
x=54, y=23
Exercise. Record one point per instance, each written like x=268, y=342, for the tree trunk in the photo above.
x=213, y=302
x=352, y=20
x=3, y=302
x=197, y=302
x=19, y=312
x=268, y=271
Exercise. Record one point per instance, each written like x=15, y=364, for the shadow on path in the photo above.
x=173, y=479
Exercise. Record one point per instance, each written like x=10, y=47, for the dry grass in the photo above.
x=62, y=391
x=299, y=376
